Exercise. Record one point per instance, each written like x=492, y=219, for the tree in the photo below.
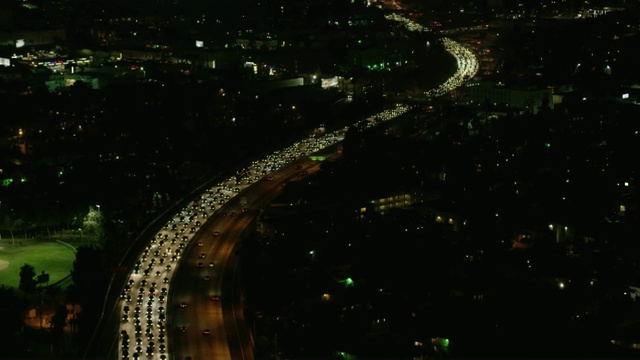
x=19, y=223
x=11, y=312
x=93, y=221
x=89, y=287
x=28, y=280
x=59, y=321
x=53, y=293
x=73, y=298
x=115, y=240
x=89, y=274
x=9, y=224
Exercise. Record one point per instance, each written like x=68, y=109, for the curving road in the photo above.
x=228, y=337
x=183, y=281
x=188, y=309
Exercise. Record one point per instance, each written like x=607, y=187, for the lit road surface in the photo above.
x=152, y=322
x=199, y=286
x=223, y=315
x=148, y=320
x=193, y=309
x=467, y=62
x=149, y=313
x=204, y=297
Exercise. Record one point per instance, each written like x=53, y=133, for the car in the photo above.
x=206, y=332
x=200, y=243
x=200, y=265
x=183, y=328
x=206, y=277
x=215, y=297
x=183, y=305
x=216, y=233
x=212, y=264
x=203, y=255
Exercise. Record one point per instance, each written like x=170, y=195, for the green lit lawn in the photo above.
x=50, y=257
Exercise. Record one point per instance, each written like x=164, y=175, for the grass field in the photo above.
x=51, y=257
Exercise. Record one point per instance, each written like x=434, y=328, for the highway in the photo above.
x=173, y=307
x=147, y=315
x=180, y=300
x=214, y=302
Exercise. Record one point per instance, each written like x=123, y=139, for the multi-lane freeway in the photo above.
x=208, y=307
x=180, y=300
